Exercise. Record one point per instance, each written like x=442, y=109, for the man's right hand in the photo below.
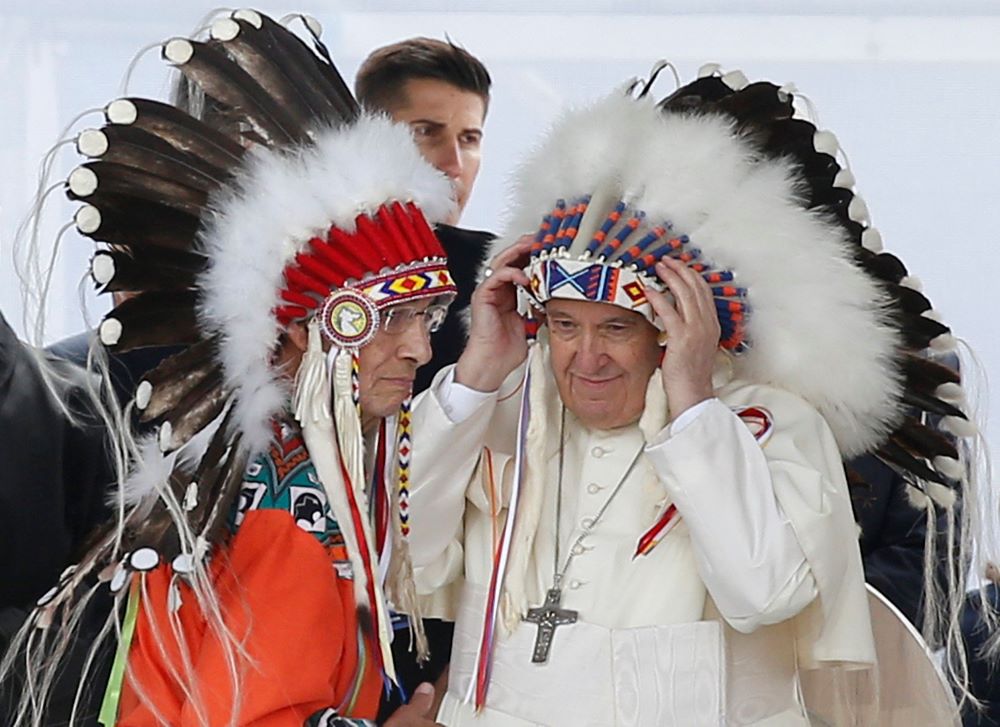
x=497, y=343
x=418, y=712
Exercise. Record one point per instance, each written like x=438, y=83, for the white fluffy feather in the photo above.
x=818, y=325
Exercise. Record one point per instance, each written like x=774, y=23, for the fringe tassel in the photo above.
x=350, y=440
x=333, y=438
x=402, y=588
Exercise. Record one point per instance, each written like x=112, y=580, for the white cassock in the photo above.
x=709, y=628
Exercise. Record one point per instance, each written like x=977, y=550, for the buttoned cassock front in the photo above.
x=763, y=529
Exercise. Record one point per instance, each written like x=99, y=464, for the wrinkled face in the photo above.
x=602, y=358
x=389, y=362
x=447, y=124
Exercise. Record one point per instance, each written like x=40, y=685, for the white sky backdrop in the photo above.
x=911, y=88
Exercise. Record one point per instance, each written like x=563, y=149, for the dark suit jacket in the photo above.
x=55, y=476
x=893, y=534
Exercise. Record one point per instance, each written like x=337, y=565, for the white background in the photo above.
x=912, y=91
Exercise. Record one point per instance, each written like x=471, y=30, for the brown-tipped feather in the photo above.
x=134, y=147
x=317, y=72
x=153, y=269
x=187, y=134
x=924, y=441
x=894, y=454
x=158, y=530
x=919, y=331
x=207, y=477
x=254, y=54
x=224, y=491
x=909, y=300
x=177, y=375
x=156, y=318
x=195, y=410
x=216, y=74
x=695, y=94
x=757, y=104
x=137, y=223
x=931, y=404
x=926, y=374
x=117, y=179
x=884, y=266
x=293, y=65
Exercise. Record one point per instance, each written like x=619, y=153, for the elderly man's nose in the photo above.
x=590, y=353
x=415, y=343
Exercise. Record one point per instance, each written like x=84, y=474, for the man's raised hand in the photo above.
x=497, y=343
x=692, y=331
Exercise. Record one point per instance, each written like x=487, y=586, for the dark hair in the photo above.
x=380, y=80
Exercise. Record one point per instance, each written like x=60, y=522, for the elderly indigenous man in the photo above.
x=642, y=518
x=262, y=527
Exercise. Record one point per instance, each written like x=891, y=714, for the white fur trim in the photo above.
x=279, y=202
x=814, y=311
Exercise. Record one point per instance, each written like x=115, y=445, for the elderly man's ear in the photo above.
x=291, y=345
x=297, y=335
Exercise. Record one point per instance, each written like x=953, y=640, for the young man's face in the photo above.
x=447, y=124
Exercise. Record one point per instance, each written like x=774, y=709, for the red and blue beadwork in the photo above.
x=610, y=269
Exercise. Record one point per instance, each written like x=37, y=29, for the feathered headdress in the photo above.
x=283, y=204
x=727, y=177
x=724, y=176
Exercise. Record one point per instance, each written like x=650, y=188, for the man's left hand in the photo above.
x=692, y=334
x=418, y=711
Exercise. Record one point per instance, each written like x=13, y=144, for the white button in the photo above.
x=578, y=549
x=574, y=584
x=598, y=451
x=587, y=523
x=593, y=488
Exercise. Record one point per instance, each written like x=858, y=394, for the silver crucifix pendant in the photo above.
x=547, y=617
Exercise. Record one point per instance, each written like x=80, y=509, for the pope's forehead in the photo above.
x=591, y=310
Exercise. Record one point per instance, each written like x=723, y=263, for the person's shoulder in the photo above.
x=451, y=235
x=73, y=349
x=467, y=250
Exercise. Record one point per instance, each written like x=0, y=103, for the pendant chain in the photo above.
x=557, y=574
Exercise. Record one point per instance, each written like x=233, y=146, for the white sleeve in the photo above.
x=457, y=400
x=745, y=547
